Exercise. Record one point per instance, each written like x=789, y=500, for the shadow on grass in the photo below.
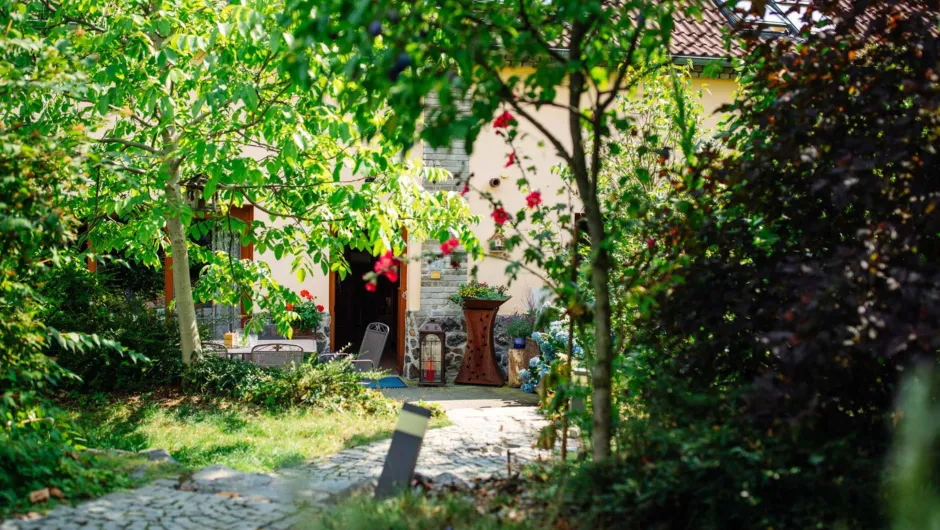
x=230, y=421
x=360, y=439
x=108, y=428
x=202, y=456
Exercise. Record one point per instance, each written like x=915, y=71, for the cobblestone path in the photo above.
x=220, y=498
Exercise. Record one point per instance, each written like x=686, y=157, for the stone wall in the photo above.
x=455, y=340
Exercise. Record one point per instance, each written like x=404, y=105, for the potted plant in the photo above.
x=468, y=293
x=480, y=303
x=519, y=328
x=310, y=314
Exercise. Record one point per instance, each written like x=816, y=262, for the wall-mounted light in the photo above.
x=495, y=182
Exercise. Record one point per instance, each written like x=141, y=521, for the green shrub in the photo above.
x=334, y=385
x=519, y=327
x=79, y=300
x=409, y=511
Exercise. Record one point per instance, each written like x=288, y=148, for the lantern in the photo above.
x=431, y=354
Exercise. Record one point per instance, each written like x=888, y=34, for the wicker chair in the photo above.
x=277, y=355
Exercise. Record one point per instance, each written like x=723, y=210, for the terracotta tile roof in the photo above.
x=703, y=38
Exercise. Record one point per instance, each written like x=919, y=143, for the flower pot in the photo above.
x=518, y=343
x=298, y=333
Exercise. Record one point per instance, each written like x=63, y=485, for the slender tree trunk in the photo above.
x=586, y=180
x=190, y=341
x=603, y=345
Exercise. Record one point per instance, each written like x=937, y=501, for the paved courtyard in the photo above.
x=493, y=431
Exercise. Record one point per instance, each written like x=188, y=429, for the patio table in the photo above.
x=309, y=346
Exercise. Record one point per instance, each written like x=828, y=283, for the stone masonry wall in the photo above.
x=455, y=330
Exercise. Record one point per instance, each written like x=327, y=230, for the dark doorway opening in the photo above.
x=354, y=308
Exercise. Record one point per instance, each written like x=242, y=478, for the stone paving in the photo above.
x=477, y=445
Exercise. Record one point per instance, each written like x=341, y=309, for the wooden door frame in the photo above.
x=402, y=308
x=247, y=215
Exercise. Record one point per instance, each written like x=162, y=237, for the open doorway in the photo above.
x=354, y=308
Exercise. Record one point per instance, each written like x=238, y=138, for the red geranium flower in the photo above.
x=534, y=199
x=319, y=308
x=500, y=215
x=370, y=287
x=289, y=307
x=306, y=294
x=449, y=246
x=504, y=120
x=512, y=159
x=387, y=261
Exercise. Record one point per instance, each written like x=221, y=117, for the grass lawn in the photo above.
x=200, y=431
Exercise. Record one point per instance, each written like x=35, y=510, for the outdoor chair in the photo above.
x=277, y=355
x=370, y=352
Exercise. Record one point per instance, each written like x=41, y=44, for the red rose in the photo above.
x=370, y=287
x=392, y=275
x=533, y=199
x=500, y=215
x=289, y=307
x=650, y=242
x=449, y=246
x=466, y=189
x=504, y=120
x=512, y=159
x=319, y=308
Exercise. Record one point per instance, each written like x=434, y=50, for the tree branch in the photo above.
x=129, y=143
x=530, y=28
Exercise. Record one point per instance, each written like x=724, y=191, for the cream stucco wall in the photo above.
x=488, y=160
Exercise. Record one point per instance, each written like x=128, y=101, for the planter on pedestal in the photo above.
x=479, y=363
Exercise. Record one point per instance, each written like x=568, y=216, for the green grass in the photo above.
x=199, y=432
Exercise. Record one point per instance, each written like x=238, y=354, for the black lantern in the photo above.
x=431, y=354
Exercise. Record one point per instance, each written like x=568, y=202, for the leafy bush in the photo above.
x=39, y=168
x=790, y=284
x=519, y=327
x=79, y=300
x=333, y=385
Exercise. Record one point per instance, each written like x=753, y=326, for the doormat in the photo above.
x=390, y=381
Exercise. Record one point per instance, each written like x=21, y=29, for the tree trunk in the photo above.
x=603, y=345
x=586, y=180
x=190, y=341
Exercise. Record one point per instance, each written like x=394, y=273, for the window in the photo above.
x=774, y=18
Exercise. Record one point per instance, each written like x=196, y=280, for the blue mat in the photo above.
x=391, y=381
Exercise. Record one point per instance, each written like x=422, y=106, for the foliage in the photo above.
x=519, y=326
x=194, y=118
x=912, y=490
x=200, y=430
x=329, y=386
x=87, y=302
x=40, y=170
x=309, y=311
x=399, y=54
x=479, y=291
x=791, y=282
x=409, y=511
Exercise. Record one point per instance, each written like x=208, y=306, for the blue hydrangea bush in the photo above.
x=553, y=343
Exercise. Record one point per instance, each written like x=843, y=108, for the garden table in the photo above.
x=309, y=346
